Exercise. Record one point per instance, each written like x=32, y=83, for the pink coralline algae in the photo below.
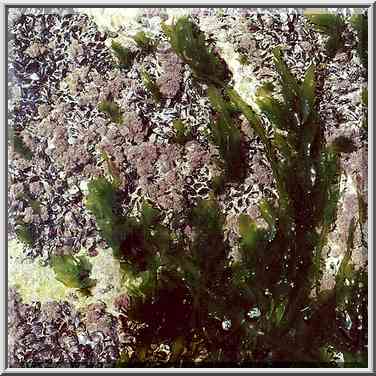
x=172, y=74
x=133, y=128
x=196, y=155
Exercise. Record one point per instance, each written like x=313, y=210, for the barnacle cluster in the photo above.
x=184, y=190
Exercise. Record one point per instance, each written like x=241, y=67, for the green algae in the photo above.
x=43, y=286
x=145, y=42
x=24, y=234
x=182, y=133
x=111, y=109
x=151, y=85
x=73, y=271
x=227, y=136
x=331, y=25
x=21, y=148
x=189, y=43
x=123, y=54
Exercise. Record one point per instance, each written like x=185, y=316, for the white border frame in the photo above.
x=208, y=3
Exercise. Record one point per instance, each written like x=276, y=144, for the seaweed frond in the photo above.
x=101, y=202
x=144, y=42
x=308, y=197
x=112, y=109
x=21, y=148
x=73, y=271
x=189, y=43
x=182, y=133
x=227, y=136
x=133, y=241
x=360, y=24
x=151, y=85
x=24, y=234
x=124, y=55
x=333, y=26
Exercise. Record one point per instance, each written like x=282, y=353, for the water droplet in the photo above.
x=226, y=324
x=267, y=292
x=254, y=313
x=348, y=321
x=34, y=77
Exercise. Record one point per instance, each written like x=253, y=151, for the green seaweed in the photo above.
x=184, y=288
x=21, y=148
x=193, y=288
x=182, y=133
x=73, y=271
x=189, y=43
x=124, y=55
x=145, y=42
x=227, y=136
x=331, y=25
x=24, y=234
x=360, y=24
x=151, y=85
x=307, y=204
x=112, y=109
x=131, y=240
x=101, y=202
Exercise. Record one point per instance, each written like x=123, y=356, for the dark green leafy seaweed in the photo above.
x=189, y=43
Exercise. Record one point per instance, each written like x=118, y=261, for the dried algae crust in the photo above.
x=36, y=282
